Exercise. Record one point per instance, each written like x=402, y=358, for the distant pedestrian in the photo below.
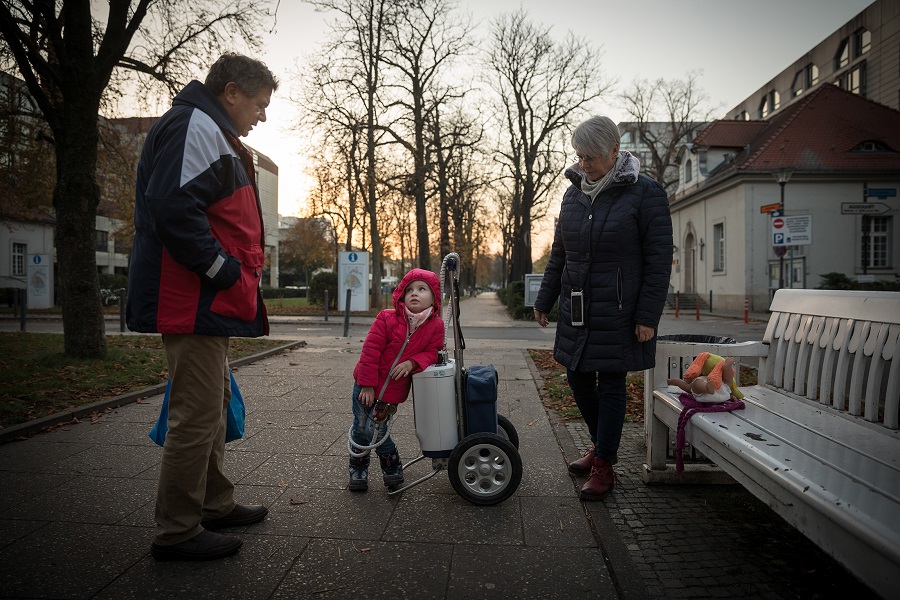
x=402, y=341
x=609, y=267
x=194, y=277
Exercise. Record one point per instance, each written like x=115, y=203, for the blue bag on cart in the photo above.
x=481, y=399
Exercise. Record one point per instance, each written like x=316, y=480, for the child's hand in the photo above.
x=402, y=370
x=367, y=395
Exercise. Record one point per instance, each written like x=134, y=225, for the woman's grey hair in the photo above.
x=598, y=136
x=250, y=75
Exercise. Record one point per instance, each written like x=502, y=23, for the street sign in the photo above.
x=780, y=251
x=881, y=193
x=768, y=208
x=864, y=208
x=795, y=230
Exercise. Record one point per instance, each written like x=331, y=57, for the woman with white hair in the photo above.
x=609, y=267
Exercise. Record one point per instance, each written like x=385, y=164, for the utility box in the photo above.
x=532, y=287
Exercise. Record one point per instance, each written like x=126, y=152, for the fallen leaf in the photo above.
x=292, y=501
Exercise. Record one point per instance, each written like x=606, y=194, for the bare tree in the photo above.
x=356, y=47
x=72, y=58
x=542, y=85
x=666, y=115
x=423, y=40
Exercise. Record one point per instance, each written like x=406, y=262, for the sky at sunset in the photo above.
x=738, y=47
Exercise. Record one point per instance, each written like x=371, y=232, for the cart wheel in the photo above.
x=485, y=468
x=506, y=430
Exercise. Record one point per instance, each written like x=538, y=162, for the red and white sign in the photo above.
x=795, y=230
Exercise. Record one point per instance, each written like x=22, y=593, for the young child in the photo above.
x=408, y=338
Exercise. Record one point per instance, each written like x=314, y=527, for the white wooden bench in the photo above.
x=818, y=440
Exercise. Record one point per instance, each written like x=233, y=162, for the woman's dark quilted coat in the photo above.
x=618, y=250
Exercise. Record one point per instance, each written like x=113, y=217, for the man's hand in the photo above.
x=541, y=318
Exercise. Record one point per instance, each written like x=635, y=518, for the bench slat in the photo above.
x=841, y=343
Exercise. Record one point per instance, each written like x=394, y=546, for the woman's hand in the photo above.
x=367, y=395
x=643, y=333
x=402, y=370
x=541, y=318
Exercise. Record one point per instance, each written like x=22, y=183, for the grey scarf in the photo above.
x=592, y=188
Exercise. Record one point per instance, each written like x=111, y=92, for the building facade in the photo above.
x=824, y=135
x=782, y=202
x=861, y=57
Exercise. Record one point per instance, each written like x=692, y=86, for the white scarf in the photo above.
x=593, y=188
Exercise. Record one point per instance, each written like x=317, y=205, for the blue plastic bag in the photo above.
x=234, y=426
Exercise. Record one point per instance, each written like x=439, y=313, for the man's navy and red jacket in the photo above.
x=198, y=253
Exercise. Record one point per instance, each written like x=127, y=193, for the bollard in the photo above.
x=710, y=301
x=697, y=306
x=23, y=302
x=347, y=313
x=746, y=310
x=676, y=305
x=121, y=292
x=326, y=305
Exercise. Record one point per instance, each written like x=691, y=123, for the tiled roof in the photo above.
x=821, y=132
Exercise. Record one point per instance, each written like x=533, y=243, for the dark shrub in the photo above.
x=317, y=287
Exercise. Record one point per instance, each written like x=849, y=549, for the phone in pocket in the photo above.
x=577, y=301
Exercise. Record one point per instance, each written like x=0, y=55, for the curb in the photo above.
x=9, y=434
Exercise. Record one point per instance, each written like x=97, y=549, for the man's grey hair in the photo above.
x=598, y=136
x=250, y=75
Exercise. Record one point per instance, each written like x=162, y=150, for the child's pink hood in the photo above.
x=421, y=275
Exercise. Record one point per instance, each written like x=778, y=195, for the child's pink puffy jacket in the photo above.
x=386, y=337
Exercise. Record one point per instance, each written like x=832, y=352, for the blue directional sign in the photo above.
x=882, y=193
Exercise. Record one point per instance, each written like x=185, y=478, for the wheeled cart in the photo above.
x=455, y=412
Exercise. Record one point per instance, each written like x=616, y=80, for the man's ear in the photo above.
x=229, y=94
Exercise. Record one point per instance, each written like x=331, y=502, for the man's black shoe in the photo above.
x=239, y=515
x=206, y=545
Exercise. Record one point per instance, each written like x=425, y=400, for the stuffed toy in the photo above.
x=705, y=377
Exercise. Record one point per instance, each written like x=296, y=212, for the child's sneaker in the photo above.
x=359, y=474
x=391, y=469
x=382, y=411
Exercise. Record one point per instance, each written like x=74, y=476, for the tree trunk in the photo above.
x=75, y=199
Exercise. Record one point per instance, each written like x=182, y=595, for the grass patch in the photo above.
x=37, y=379
x=556, y=394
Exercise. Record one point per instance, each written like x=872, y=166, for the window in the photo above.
x=688, y=171
x=879, y=243
x=719, y=247
x=102, y=241
x=857, y=79
x=812, y=75
x=842, y=57
x=770, y=103
x=797, y=84
x=862, y=42
x=18, y=258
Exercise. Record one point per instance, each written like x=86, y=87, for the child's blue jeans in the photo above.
x=364, y=427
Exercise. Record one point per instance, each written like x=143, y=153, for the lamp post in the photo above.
x=782, y=176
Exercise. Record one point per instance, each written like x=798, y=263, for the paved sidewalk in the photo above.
x=76, y=508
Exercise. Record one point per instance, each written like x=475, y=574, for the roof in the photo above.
x=830, y=130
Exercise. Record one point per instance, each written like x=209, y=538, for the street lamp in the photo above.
x=782, y=176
